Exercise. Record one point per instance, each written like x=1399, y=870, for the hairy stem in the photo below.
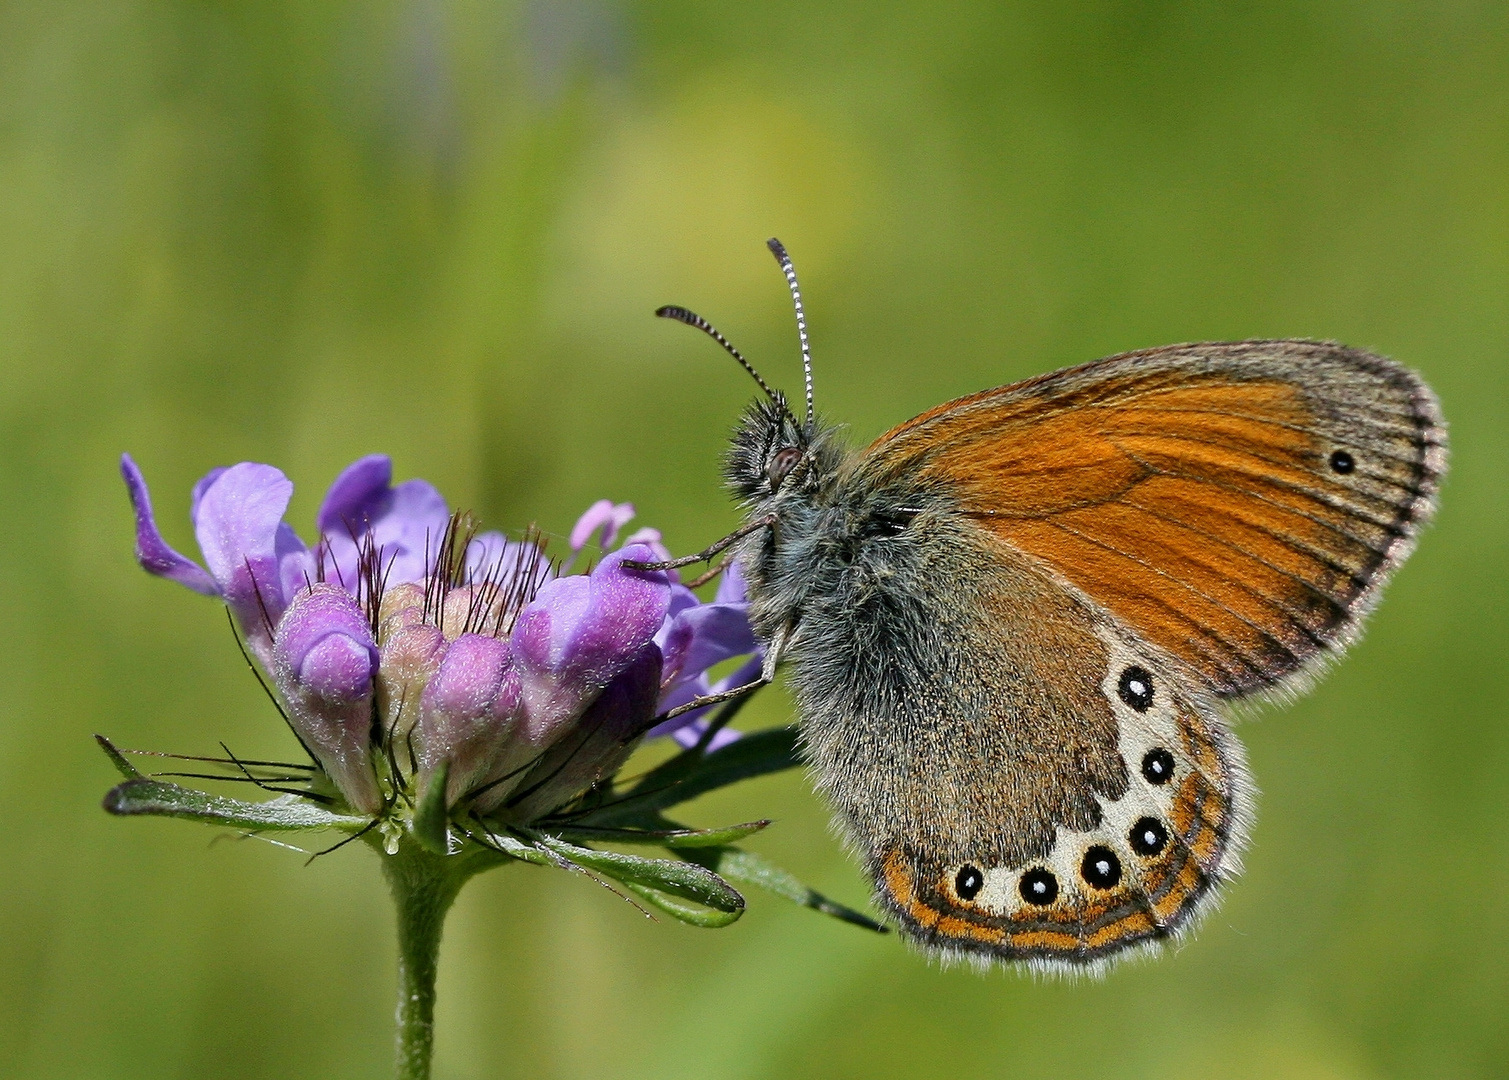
x=424, y=885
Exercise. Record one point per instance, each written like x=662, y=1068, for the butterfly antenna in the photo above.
x=779, y=251
x=691, y=318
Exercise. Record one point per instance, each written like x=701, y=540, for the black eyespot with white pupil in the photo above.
x=1101, y=868
x=1135, y=688
x=1342, y=462
x=1148, y=837
x=1158, y=766
x=969, y=882
x=1039, y=887
x=781, y=465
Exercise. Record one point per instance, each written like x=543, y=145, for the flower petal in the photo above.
x=239, y=523
x=467, y=713
x=152, y=551
x=579, y=633
x=602, y=515
x=406, y=522
x=323, y=663
x=700, y=637
x=681, y=693
x=690, y=735
x=603, y=739
x=492, y=557
x=731, y=585
x=651, y=538
x=356, y=495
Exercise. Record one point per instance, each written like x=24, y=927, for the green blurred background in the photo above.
x=298, y=233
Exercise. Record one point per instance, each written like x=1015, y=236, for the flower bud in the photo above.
x=579, y=634
x=467, y=714
x=596, y=745
x=410, y=658
x=402, y=605
x=456, y=612
x=323, y=663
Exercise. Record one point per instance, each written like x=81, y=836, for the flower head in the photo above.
x=466, y=703
x=404, y=645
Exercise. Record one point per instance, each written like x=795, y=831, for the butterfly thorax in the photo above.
x=826, y=531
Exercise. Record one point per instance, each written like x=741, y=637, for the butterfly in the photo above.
x=1011, y=623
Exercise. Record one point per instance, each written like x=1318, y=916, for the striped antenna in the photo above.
x=691, y=318
x=779, y=251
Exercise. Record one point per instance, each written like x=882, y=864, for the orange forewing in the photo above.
x=1193, y=502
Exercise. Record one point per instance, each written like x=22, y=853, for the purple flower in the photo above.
x=603, y=518
x=405, y=641
x=697, y=637
x=362, y=507
x=255, y=562
x=597, y=745
x=467, y=714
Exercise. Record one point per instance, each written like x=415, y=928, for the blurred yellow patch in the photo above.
x=675, y=206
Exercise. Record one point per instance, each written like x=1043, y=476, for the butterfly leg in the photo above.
x=708, y=575
x=713, y=699
x=706, y=553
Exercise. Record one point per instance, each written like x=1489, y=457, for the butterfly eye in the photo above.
x=781, y=465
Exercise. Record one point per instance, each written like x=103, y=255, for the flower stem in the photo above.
x=424, y=885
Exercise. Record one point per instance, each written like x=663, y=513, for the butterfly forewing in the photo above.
x=1238, y=505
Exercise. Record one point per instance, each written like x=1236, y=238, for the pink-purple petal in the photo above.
x=598, y=745
x=406, y=522
x=152, y=551
x=579, y=633
x=323, y=662
x=604, y=517
x=356, y=496
x=239, y=524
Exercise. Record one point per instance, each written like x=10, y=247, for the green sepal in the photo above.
x=747, y=868
x=432, y=825
x=677, y=877
x=663, y=837
x=693, y=772
x=288, y=813
x=515, y=848
x=691, y=914
x=118, y=759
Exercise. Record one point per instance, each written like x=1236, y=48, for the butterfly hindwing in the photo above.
x=1141, y=873
x=973, y=736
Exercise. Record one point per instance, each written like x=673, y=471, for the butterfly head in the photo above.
x=773, y=457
